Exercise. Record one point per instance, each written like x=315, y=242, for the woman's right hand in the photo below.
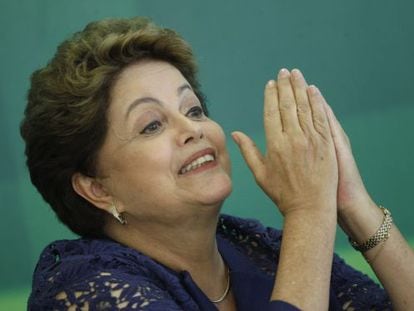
x=299, y=170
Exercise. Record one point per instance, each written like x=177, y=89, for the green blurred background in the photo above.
x=360, y=54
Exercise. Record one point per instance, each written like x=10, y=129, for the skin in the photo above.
x=299, y=173
x=148, y=147
x=308, y=171
x=349, y=203
x=360, y=218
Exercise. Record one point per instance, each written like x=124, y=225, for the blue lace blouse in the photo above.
x=101, y=274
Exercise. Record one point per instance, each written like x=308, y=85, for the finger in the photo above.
x=336, y=127
x=331, y=121
x=304, y=111
x=250, y=153
x=271, y=114
x=319, y=118
x=287, y=103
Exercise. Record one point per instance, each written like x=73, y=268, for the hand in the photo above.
x=352, y=193
x=299, y=170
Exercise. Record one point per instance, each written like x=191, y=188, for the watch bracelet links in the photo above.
x=382, y=234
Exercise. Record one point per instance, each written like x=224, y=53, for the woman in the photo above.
x=119, y=143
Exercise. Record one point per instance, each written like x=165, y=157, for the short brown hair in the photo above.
x=65, y=120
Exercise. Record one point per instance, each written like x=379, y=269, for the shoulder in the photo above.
x=100, y=273
x=87, y=256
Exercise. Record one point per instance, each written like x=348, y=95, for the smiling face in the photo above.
x=162, y=156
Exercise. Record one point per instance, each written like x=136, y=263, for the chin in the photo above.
x=216, y=192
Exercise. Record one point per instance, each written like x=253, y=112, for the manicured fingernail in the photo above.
x=313, y=90
x=270, y=83
x=296, y=74
x=283, y=73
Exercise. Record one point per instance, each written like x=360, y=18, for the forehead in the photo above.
x=158, y=80
x=146, y=78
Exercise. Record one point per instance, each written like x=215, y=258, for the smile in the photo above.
x=197, y=163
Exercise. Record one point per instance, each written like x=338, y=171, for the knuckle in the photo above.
x=324, y=139
x=286, y=103
x=319, y=121
x=303, y=107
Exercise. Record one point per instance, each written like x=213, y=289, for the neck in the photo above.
x=184, y=245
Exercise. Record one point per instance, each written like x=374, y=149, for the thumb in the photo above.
x=250, y=153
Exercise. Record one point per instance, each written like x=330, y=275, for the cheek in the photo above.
x=219, y=139
x=141, y=179
x=140, y=167
x=216, y=133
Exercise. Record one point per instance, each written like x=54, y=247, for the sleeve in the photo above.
x=355, y=290
x=105, y=291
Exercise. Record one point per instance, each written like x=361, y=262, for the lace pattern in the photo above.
x=356, y=291
x=116, y=293
x=353, y=290
x=88, y=274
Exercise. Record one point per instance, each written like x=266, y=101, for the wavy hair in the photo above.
x=65, y=120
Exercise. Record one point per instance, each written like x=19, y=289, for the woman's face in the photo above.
x=162, y=156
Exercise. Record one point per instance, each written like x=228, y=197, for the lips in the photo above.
x=197, y=159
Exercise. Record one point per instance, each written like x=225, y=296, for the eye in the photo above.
x=151, y=128
x=196, y=112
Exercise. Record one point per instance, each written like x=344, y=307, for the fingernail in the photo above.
x=235, y=138
x=313, y=90
x=296, y=74
x=270, y=83
x=283, y=73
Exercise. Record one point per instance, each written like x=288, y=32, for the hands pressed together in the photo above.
x=310, y=174
x=308, y=158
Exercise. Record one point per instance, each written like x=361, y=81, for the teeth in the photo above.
x=197, y=163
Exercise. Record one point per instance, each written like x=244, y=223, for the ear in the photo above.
x=92, y=190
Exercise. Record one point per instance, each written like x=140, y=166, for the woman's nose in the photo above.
x=189, y=131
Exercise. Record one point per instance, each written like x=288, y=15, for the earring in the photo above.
x=117, y=215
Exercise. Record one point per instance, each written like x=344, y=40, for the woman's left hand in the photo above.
x=352, y=193
x=359, y=217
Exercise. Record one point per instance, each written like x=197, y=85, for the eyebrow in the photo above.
x=149, y=99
